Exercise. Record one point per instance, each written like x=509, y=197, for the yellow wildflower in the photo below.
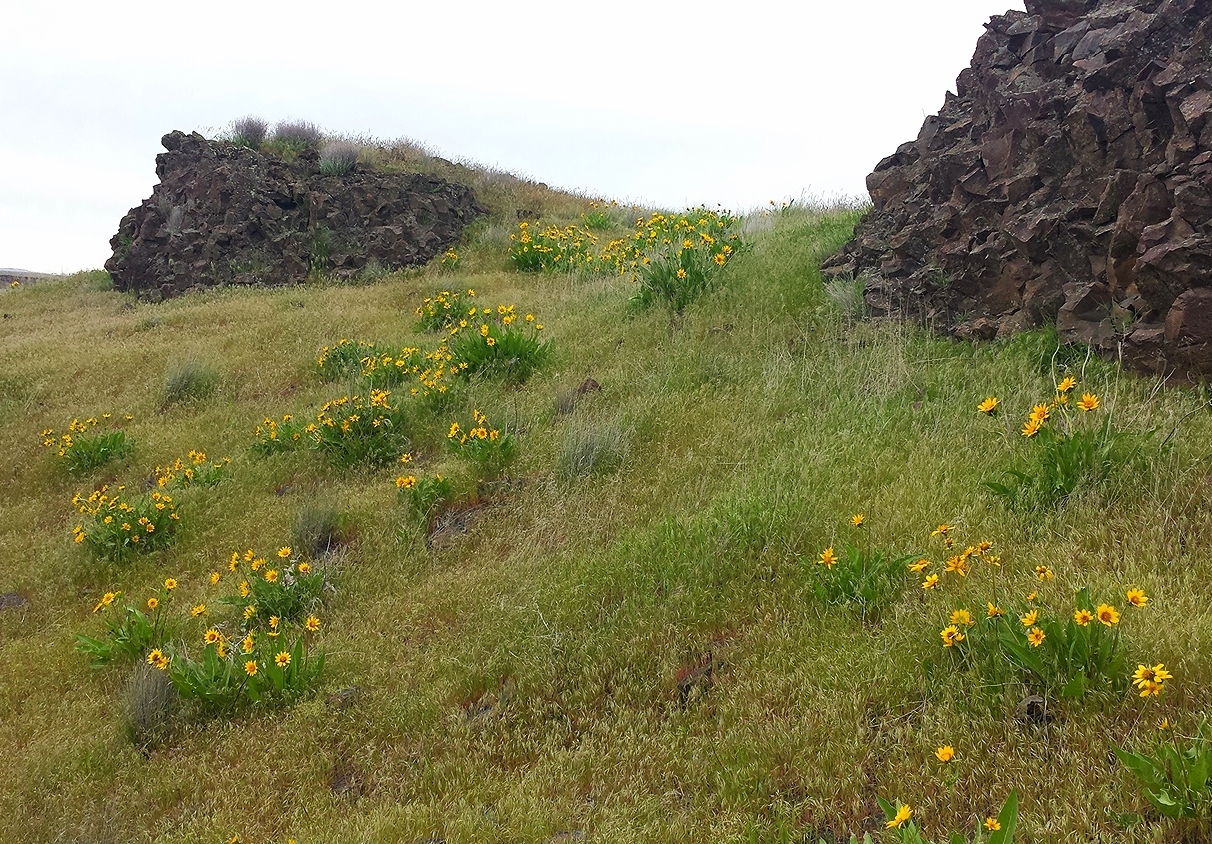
x=951, y=635
x=903, y=813
x=961, y=617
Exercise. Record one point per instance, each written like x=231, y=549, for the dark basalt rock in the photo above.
x=225, y=214
x=1069, y=181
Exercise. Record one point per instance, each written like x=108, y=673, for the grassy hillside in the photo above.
x=644, y=650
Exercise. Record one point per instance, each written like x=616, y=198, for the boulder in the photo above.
x=226, y=214
x=1068, y=181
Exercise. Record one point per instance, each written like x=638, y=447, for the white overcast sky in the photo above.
x=671, y=104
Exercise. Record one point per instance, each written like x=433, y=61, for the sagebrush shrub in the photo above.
x=249, y=131
x=298, y=134
x=338, y=158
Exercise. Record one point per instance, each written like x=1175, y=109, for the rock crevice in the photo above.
x=225, y=214
x=1067, y=181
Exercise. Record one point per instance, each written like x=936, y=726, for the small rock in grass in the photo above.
x=344, y=698
x=346, y=781
x=1033, y=709
x=12, y=601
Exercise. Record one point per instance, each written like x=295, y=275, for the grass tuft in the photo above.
x=338, y=158
x=319, y=529
x=596, y=448
x=151, y=705
x=190, y=381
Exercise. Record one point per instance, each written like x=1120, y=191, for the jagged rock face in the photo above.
x=1068, y=181
x=224, y=214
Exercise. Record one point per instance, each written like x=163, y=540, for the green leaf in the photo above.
x=1142, y=766
x=1197, y=774
x=1166, y=804
x=1075, y=689
x=1019, y=652
x=1008, y=818
x=1000, y=489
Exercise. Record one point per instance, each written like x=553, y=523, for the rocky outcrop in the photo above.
x=1068, y=181
x=225, y=214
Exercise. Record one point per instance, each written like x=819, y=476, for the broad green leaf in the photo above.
x=1008, y=818
x=1075, y=689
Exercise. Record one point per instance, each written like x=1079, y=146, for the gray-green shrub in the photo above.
x=338, y=158
x=299, y=134
x=249, y=131
x=190, y=380
x=592, y=448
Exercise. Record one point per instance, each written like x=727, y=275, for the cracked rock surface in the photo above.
x=225, y=214
x=1067, y=182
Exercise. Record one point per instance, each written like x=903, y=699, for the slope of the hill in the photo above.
x=647, y=652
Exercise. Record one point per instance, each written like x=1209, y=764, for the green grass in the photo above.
x=527, y=675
